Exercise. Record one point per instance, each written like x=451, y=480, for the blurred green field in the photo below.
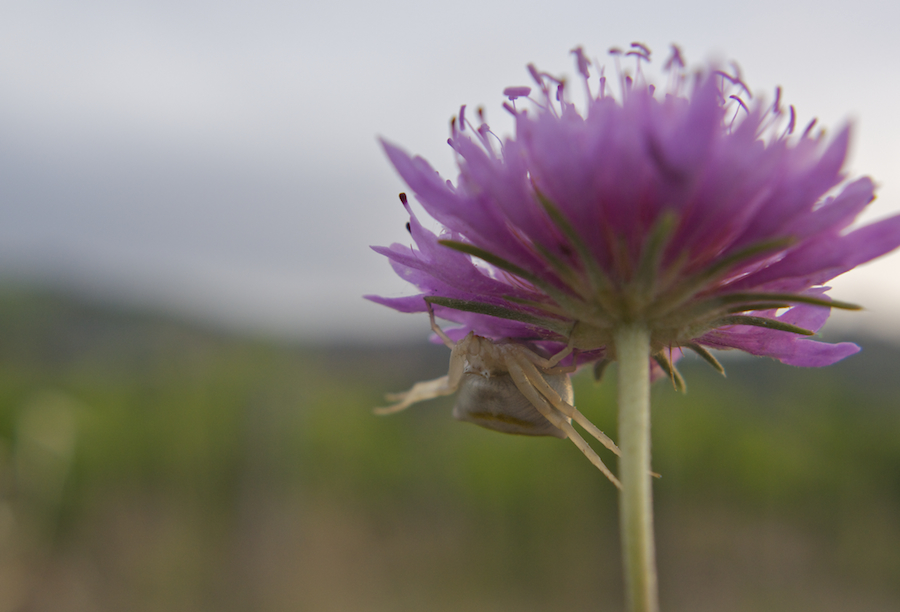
x=150, y=465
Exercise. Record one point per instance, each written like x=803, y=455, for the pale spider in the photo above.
x=509, y=388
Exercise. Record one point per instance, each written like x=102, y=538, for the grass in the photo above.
x=147, y=464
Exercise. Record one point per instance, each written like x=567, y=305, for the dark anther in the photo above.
x=408, y=228
x=644, y=48
x=403, y=198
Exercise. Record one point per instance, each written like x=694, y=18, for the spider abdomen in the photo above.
x=496, y=403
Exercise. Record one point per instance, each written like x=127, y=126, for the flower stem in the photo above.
x=636, y=498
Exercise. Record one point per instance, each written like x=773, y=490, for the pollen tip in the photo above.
x=809, y=127
x=403, y=199
x=642, y=47
x=535, y=75
x=675, y=59
x=516, y=92
x=583, y=61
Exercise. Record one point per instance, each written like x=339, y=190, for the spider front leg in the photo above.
x=549, y=366
x=437, y=328
x=527, y=388
x=526, y=360
x=420, y=392
x=429, y=389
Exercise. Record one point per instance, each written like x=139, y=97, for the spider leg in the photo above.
x=524, y=385
x=437, y=328
x=428, y=389
x=537, y=381
x=420, y=391
x=549, y=365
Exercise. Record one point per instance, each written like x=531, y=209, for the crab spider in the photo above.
x=509, y=388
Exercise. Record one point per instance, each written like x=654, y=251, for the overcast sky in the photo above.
x=219, y=159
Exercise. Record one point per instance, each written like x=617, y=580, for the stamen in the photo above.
x=512, y=93
x=674, y=66
x=483, y=131
x=539, y=79
x=772, y=116
x=810, y=127
x=462, y=118
x=617, y=53
x=675, y=59
x=404, y=201
x=740, y=79
x=735, y=80
x=550, y=77
x=790, y=127
x=408, y=228
x=642, y=47
x=583, y=62
x=638, y=55
x=741, y=102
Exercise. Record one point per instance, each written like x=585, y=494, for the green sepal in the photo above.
x=569, y=302
x=791, y=298
x=671, y=371
x=687, y=288
x=762, y=322
x=757, y=306
x=550, y=309
x=707, y=357
x=565, y=272
x=494, y=260
x=732, y=303
x=777, y=244
x=652, y=252
x=560, y=327
x=599, y=281
x=600, y=367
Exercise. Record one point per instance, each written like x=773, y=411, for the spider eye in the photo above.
x=496, y=403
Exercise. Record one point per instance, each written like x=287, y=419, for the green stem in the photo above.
x=636, y=498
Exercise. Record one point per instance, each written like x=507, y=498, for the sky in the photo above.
x=219, y=160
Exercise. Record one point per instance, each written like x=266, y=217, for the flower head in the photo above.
x=698, y=211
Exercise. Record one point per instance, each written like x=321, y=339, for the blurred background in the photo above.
x=187, y=195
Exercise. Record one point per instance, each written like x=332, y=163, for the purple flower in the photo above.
x=699, y=212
